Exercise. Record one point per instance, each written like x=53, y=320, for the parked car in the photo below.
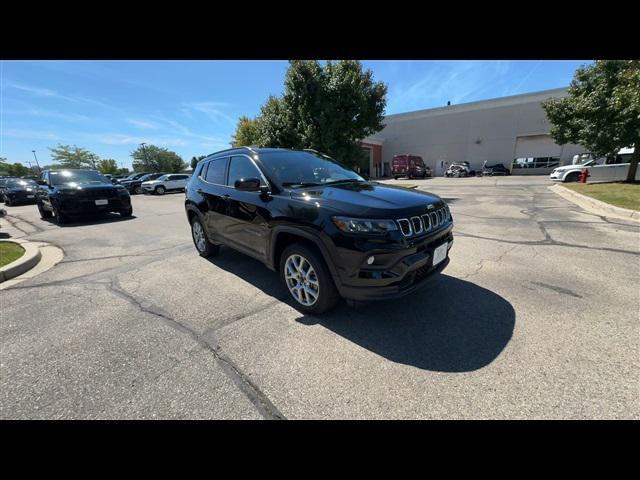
x=69, y=192
x=18, y=190
x=496, y=169
x=326, y=230
x=459, y=169
x=132, y=177
x=608, y=168
x=409, y=166
x=166, y=183
x=135, y=186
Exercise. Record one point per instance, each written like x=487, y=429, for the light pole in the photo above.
x=34, y=155
x=144, y=151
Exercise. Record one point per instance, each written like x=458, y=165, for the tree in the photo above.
x=195, y=160
x=328, y=108
x=74, y=157
x=247, y=132
x=602, y=110
x=108, y=165
x=15, y=169
x=156, y=159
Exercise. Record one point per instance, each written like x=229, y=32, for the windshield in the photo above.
x=22, y=183
x=292, y=169
x=76, y=176
x=162, y=178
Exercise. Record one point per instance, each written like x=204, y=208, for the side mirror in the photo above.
x=41, y=182
x=247, y=185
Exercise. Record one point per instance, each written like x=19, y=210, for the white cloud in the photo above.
x=142, y=123
x=213, y=110
x=30, y=134
x=445, y=81
x=46, y=92
x=36, y=112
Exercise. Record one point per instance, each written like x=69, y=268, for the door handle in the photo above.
x=199, y=190
x=226, y=196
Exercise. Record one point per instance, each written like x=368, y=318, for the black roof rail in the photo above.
x=251, y=149
x=315, y=151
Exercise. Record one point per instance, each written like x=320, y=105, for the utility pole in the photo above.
x=34, y=155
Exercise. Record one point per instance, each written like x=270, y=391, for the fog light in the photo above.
x=370, y=260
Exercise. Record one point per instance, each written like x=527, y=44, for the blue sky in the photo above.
x=191, y=107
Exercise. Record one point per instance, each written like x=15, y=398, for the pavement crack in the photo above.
x=253, y=393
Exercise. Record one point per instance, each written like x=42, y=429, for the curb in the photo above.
x=595, y=206
x=26, y=262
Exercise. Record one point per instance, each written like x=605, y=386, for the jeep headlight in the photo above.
x=364, y=225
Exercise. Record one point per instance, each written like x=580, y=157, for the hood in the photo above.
x=367, y=199
x=569, y=167
x=84, y=187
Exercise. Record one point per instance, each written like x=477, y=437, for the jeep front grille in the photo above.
x=424, y=223
x=405, y=227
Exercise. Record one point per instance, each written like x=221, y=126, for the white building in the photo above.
x=510, y=130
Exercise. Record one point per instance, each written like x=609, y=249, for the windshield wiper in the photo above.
x=345, y=180
x=300, y=184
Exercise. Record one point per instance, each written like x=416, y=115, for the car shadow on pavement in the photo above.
x=80, y=221
x=450, y=325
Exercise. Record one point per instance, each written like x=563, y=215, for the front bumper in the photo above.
x=79, y=206
x=409, y=270
x=21, y=197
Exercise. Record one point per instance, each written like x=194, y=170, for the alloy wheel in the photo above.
x=302, y=280
x=198, y=236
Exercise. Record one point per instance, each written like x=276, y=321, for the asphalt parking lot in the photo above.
x=537, y=316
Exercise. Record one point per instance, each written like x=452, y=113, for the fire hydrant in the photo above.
x=583, y=175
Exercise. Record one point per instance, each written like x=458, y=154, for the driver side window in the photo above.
x=242, y=168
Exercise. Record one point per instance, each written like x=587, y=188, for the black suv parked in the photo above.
x=135, y=185
x=18, y=190
x=63, y=193
x=327, y=231
x=497, y=169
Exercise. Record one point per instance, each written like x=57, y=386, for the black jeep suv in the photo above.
x=64, y=193
x=326, y=230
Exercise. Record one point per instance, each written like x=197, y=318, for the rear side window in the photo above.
x=216, y=170
x=242, y=168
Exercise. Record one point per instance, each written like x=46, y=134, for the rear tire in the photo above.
x=319, y=275
x=7, y=202
x=127, y=212
x=137, y=190
x=204, y=247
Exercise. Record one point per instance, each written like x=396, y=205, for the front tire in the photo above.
x=204, y=247
x=308, y=280
x=59, y=217
x=8, y=202
x=572, y=177
x=44, y=213
x=160, y=190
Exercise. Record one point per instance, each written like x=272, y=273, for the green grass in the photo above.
x=625, y=195
x=9, y=252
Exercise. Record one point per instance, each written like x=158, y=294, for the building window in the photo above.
x=536, y=162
